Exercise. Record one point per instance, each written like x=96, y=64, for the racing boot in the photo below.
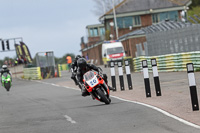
x=110, y=88
x=76, y=82
x=74, y=78
x=84, y=91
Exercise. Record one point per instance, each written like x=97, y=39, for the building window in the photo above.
x=173, y=15
x=137, y=20
x=102, y=31
x=120, y=22
x=93, y=32
x=164, y=16
x=126, y=22
x=155, y=18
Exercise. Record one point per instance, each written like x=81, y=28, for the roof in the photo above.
x=95, y=25
x=161, y=26
x=143, y=5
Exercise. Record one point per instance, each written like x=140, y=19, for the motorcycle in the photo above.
x=6, y=81
x=96, y=86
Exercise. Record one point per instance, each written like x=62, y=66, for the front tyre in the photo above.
x=7, y=86
x=103, y=97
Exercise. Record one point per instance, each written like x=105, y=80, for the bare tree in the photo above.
x=103, y=6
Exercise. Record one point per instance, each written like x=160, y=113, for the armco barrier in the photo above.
x=170, y=62
x=32, y=73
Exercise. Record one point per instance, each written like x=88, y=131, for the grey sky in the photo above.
x=46, y=24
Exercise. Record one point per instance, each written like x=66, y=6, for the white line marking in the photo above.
x=70, y=119
x=55, y=85
x=161, y=111
x=150, y=106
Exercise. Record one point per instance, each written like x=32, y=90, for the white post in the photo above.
x=146, y=78
x=192, y=84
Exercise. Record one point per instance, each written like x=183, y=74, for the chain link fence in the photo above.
x=179, y=40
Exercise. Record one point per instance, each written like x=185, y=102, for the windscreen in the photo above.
x=89, y=75
x=115, y=50
x=5, y=74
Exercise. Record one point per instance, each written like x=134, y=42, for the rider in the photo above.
x=5, y=70
x=84, y=67
x=74, y=68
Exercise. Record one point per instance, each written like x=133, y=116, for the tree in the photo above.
x=195, y=3
x=103, y=6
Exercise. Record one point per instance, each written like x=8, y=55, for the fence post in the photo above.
x=156, y=77
x=112, y=69
x=146, y=78
x=128, y=74
x=192, y=84
x=121, y=78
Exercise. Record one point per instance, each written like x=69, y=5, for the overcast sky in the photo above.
x=46, y=25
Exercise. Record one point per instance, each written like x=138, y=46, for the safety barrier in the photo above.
x=170, y=62
x=58, y=70
x=63, y=67
x=32, y=73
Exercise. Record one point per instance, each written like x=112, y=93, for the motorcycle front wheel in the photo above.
x=7, y=86
x=103, y=97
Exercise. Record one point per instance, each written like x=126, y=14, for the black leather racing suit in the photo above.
x=81, y=72
x=89, y=67
x=74, y=68
x=5, y=71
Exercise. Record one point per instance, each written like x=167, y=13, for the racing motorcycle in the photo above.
x=96, y=86
x=6, y=81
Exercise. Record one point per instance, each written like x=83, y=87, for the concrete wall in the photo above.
x=17, y=71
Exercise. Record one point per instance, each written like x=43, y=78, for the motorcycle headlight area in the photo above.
x=8, y=79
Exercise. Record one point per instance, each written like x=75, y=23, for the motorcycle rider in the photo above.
x=5, y=70
x=74, y=68
x=84, y=67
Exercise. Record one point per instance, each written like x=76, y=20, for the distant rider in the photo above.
x=84, y=67
x=74, y=68
x=5, y=70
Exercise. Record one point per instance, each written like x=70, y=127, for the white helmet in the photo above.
x=4, y=66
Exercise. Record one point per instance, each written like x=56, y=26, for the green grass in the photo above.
x=194, y=11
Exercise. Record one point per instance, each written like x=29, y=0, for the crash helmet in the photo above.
x=77, y=57
x=4, y=67
x=81, y=63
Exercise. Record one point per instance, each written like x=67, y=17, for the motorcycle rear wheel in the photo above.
x=103, y=97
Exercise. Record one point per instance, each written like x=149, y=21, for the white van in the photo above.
x=112, y=51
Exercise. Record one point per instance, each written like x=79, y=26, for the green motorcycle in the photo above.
x=6, y=81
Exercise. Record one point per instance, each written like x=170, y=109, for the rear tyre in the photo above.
x=103, y=97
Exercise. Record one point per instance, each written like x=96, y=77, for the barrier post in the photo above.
x=112, y=69
x=121, y=78
x=146, y=78
x=156, y=77
x=128, y=74
x=192, y=84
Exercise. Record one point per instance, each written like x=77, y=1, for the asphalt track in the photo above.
x=44, y=107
